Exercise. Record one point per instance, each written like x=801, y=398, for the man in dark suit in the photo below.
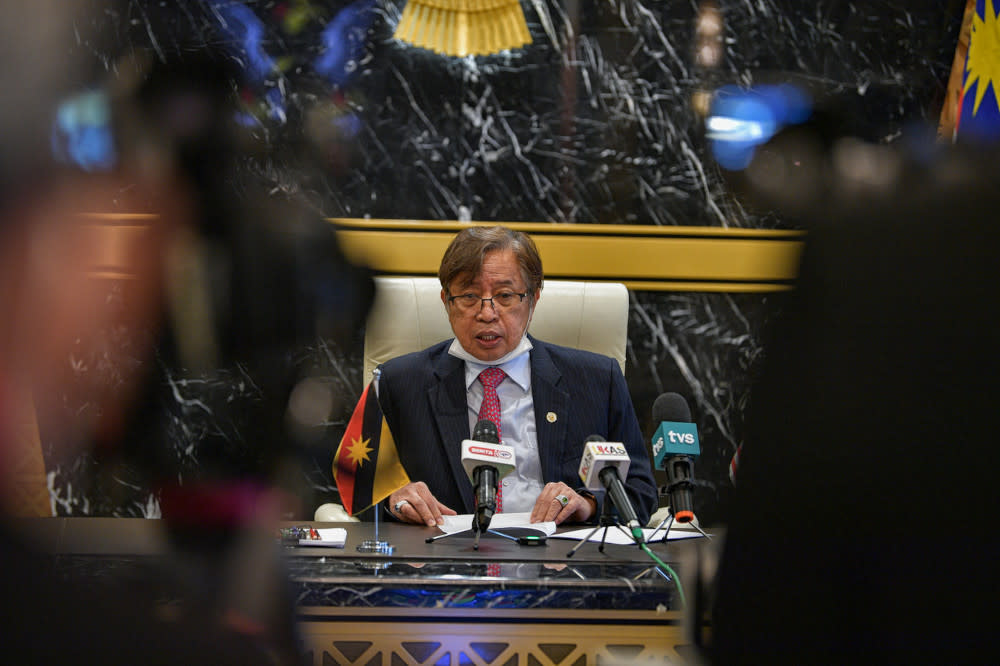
x=548, y=398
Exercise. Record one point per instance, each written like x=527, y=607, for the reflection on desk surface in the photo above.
x=444, y=574
x=460, y=584
x=447, y=572
x=137, y=536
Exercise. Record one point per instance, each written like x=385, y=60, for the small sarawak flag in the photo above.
x=366, y=466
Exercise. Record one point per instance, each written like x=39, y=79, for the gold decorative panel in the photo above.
x=645, y=258
x=486, y=641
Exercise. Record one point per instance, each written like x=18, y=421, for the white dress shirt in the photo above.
x=517, y=420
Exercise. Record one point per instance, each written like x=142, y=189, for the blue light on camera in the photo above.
x=740, y=120
x=81, y=133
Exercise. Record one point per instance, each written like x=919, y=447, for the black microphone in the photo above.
x=602, y=465
x=675, y=445
x=485, y=461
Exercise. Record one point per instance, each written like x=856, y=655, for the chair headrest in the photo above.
x=408, y=316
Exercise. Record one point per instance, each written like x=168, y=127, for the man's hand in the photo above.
x=418, y=505
x=550, y=505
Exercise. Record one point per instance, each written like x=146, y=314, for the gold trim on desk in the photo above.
x=645, y=258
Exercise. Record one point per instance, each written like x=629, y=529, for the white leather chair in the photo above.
x=408, y=316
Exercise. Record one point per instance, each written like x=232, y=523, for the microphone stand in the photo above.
x=607, y=520
x=475, y=529
x=487, y=508
x=376, y=545
x=667, y=531
x=666, y=492
x=475, y=543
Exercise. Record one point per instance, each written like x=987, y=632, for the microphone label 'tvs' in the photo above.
x=675, y=438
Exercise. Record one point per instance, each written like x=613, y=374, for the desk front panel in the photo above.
x=431, y=603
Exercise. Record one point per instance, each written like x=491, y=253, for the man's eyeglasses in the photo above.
x=505, y=300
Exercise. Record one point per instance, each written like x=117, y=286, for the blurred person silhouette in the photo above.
x=279, y=280
x=46, y=253
x=863, y=528
x=256, y=277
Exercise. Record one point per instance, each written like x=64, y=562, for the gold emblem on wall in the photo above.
x=463, y=27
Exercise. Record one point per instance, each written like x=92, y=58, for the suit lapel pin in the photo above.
x=551, y=417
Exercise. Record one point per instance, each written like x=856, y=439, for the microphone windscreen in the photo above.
x=594, y=438
x=486, y=431
x=671, y=407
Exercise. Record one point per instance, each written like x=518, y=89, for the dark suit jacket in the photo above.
x=423, y=398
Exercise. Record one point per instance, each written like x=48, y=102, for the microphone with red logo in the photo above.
x=602, y=467
x=486, y=461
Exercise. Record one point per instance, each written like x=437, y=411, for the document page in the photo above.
x=617, y=536
x=512, y=524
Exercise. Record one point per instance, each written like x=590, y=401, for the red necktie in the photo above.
x=490, y=378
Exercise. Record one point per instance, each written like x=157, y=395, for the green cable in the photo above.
x=666, y=567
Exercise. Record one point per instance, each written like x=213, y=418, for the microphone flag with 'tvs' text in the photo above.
x=675, y=446
x=675, y=434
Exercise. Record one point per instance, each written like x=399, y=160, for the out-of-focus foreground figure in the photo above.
x=276, y=279
x=864, y=527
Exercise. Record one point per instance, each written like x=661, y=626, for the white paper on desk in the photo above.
x=514, y=524
x=331, y=537
x=617, y=536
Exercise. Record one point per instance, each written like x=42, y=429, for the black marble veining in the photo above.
x=327, y=581
x=591, y=123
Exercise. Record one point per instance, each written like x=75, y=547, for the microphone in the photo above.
x=486, y=461
x=675, y=445
x=601, y=468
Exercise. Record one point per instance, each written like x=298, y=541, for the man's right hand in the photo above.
x=418, y=505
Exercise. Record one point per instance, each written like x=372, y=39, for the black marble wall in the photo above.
x=594, y=122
